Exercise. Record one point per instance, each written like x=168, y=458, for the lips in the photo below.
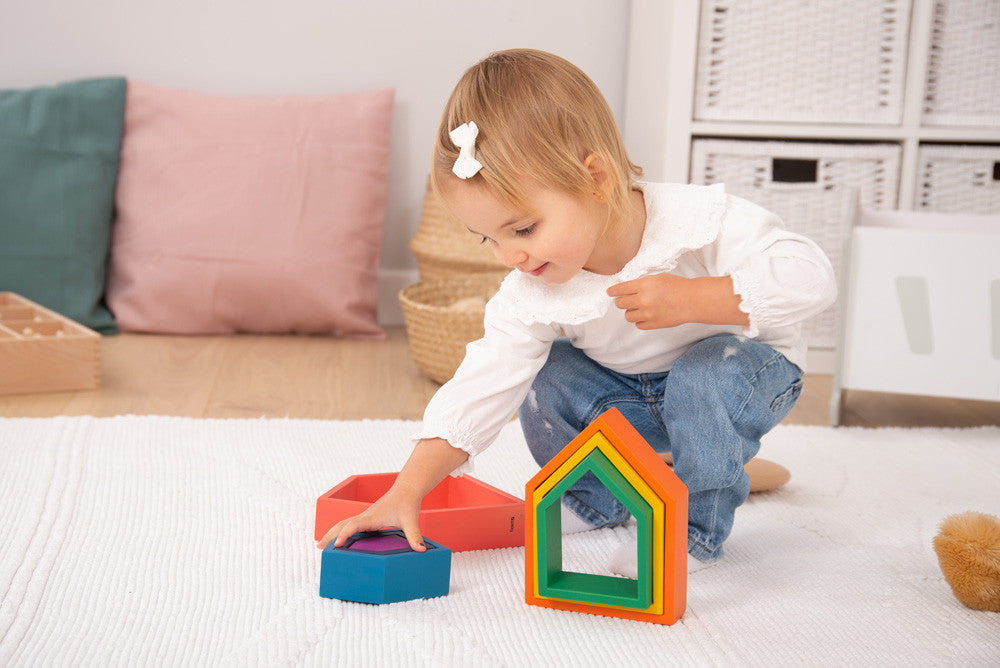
x=539, y=270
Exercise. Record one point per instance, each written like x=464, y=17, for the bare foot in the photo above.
x=764, y=474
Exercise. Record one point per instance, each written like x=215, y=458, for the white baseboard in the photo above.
x=390, y=282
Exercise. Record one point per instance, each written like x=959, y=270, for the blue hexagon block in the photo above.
x=380, y=567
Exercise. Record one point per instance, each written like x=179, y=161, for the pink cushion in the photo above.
x=250, y=214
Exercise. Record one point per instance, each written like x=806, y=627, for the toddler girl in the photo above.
x=679, y=305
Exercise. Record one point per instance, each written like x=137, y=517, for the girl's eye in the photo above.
x=526, y=231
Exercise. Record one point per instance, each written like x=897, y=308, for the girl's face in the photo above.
x=560, y=236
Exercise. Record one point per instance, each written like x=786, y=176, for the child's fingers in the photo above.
x=634, y=316
x=354, y=525
x=335, y=535
x=622, y=289
x=345, y=532
x=329, y=536
x=413, y=537
x=627, y=302
x=341, y=531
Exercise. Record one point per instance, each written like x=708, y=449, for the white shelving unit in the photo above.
x=659, y=121
x=660, y=125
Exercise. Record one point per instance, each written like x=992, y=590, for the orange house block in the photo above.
x=671, y=535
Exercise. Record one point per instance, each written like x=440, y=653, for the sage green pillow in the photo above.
x=59, y=152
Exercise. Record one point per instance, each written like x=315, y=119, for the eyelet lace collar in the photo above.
x=679, y=218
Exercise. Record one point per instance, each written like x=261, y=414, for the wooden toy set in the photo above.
x=627, y=465
x=42, y=351
x=467, y=514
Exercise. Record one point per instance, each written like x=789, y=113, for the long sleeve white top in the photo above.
x=691, y=231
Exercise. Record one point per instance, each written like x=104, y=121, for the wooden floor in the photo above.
x=322, y=378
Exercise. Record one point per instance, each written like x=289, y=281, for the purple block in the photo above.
x=389, y=542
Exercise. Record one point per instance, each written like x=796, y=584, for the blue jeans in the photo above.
x=710, y=411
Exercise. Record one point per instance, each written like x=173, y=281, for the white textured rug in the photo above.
x=166, y=541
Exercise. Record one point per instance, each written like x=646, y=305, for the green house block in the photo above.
x=554, y=582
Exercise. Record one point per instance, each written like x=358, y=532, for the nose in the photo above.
x=511, y=257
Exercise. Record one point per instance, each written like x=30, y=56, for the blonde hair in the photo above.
x=539, y=118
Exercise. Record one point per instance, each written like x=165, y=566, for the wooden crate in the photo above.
x=42, y=351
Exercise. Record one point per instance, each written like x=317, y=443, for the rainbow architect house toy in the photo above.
x=627, y=465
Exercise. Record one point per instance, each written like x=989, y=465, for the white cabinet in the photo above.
x=773, y=96
x=911, y=323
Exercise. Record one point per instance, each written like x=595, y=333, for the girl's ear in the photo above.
x=597, y=166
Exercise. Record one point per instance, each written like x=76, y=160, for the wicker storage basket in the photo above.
x=810, y=185
x=963, y=84
x=959, y=179
x=442, y=316
x=830, y=61
x=444, y=248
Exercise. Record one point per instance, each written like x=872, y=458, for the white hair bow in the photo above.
x=464, y=137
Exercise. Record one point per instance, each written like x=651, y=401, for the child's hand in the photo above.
x=665, y=300
x=395, y=509
x=431, y=460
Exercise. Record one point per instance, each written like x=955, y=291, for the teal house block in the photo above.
x=380, y=567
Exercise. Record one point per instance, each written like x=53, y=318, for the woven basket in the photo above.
x=444, y=248
x=796, y=61
x=442, y=317
x=962, y=83
x=959, y=179
x=810, y=185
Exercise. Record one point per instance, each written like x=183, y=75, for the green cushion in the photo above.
x=59, y=152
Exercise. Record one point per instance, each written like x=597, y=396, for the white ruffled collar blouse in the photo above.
x=679, y=218
x=691, y=231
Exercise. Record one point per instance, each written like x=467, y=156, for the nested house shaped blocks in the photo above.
x=627, y=465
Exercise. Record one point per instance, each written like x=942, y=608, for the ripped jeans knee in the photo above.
x=567, y=395
x=709, y=411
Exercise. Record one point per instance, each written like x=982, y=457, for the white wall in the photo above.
x=316, y=46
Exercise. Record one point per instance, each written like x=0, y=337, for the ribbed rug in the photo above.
x=174, y=541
